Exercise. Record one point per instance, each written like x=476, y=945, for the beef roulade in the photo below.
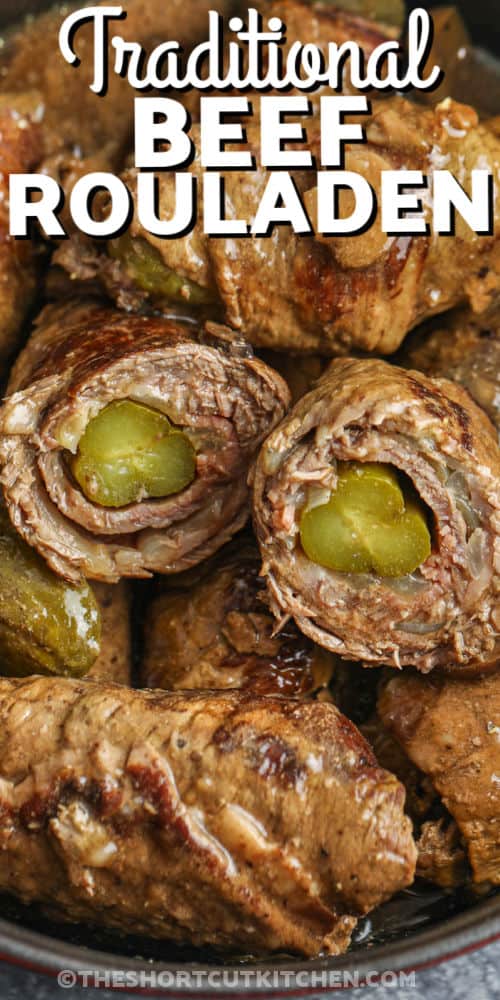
x=20, y=151
x=248, y=824
x=329, y=295
x=210, y=628
x=377, y=511
x=125, y=441
x=465, y=348
x=449, y=729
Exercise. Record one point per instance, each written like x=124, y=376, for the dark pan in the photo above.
x=421, y=927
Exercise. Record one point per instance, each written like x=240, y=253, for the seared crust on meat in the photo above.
x=75, y=118
x=431, y=430
x=20, y=151
x=465, y=348
x=82, y=356
x=210, y=628
x=250, y=825
x=449, y=728
x=330, y=295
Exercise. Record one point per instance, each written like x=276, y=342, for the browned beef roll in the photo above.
x=465, y=348
x=329, y=295
x=377, y=511
x=114, y=662
x=449, y=728
x=250, y=825
x=125, y=441
x=20, y=151
x=210, y=628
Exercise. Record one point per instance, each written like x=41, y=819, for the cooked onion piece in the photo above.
x=368, y=571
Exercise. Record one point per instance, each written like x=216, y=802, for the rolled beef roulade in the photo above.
x=449, y=729
x=377, y=511
x=249, y=824
x=316, y=294
x=465, y=348
x=125, y=441
x=210, y=628
x=21, y=148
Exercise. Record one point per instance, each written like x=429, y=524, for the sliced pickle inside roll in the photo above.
x=368, y=525
x=130, y=452
x=147, y=270
x=47, y=626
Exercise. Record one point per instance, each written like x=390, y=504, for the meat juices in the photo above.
x=446, y=613
x=449, y=729
x=326, y=295
x=253, y=825
x=84, y=356
x=210, y=628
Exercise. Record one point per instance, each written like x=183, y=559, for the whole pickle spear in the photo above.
x=47, y=626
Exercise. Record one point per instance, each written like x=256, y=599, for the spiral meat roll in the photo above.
x=125, y=442
x=377, y=512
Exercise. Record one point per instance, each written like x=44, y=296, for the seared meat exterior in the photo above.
x=81, y=357
x=250, y=825
x=465, y=348
x=447, y=612
x=114, y=663
x=449, y=728
x=77, y=123
x=20, y=151
x=317, y=294
x=441, y=855
x=210, y=628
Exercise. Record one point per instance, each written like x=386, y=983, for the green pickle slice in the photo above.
x=145, y=266
x=368, y=525
x=130, y=452
x=47, y=626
